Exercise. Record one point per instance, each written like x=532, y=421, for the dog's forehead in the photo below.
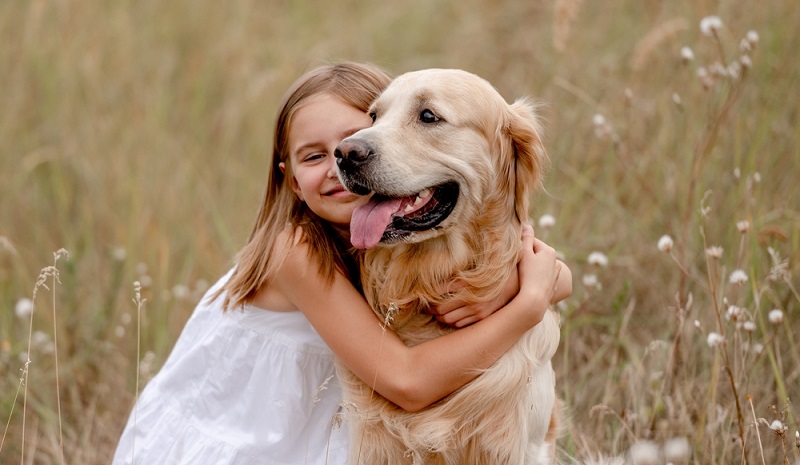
x=450, y=86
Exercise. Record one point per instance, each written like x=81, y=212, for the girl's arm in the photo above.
x=415, y=377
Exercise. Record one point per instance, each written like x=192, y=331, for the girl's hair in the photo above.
x=357, y=85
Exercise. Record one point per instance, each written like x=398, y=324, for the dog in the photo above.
x=451, y=166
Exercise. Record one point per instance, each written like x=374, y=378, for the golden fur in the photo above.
x=493, y=151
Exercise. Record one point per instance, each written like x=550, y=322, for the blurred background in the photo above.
x=135, y=136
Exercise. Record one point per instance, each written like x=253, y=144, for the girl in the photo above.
x=256, y=384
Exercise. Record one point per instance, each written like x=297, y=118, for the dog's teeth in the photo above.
x=418, y=200
x=424, y=193
x=410, y=207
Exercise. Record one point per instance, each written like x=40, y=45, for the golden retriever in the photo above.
x=451, y=165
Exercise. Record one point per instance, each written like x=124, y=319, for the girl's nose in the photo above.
x=332, y=168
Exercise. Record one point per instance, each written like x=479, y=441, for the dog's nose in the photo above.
x=352, y=153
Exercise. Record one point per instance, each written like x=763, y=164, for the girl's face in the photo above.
x=316, y=129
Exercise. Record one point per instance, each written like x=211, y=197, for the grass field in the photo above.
x=135, y=135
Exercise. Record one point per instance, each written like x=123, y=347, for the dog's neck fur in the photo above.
x=404, y=280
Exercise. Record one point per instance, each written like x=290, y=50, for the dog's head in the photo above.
x=444, y=149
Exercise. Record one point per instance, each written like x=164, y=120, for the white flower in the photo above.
x=677, y=450
x=590, y=280
x=687, y=54
x=547, y=221
x=714, y=339
x=737, y=173
x=24, y=308
x=743, y=226
x=665, y=243
x=119, y=331
x=749, y=326
x=710, y=25
x=775, y=316
x=714, y=251
x=598, y=119
x=738, y=277
x=597, y=259
x=758, y=348
x=676, y=98
x=644, y=453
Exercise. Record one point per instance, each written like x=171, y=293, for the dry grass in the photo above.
x=130, y=133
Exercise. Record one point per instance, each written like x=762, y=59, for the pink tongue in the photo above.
x=370, y=221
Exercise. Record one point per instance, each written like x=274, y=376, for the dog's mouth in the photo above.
x=391, y=219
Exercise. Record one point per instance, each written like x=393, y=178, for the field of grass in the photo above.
x=134, y=135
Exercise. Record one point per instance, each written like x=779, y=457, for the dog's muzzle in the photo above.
x=351, y=157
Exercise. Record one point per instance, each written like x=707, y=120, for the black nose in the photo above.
x=352, y=153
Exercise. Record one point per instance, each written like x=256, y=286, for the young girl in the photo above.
x=251, y=379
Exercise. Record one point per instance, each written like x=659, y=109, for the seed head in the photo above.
x=597, y=259
x=749, y=326
x=714, y=251
x=738, y=277
x=687, y=54
x=547, y=221
x=743, y=226
x=778, y=427
x=644, y=453
x=775, y=316
x=745, y=62
x=24, y=308
x=714, y=339
x=677, y=450
x=734, y=313
x=590, y=280
x=710, y=25
x=752, y=37
x=665, y=243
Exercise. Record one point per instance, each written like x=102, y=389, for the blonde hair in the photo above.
x=357, y=85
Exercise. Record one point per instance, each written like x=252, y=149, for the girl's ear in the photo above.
x=295, y=185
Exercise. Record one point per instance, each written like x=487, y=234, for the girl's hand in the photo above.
x=458, y=313
x=539, y=271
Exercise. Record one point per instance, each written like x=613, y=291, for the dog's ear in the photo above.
x=530, y=158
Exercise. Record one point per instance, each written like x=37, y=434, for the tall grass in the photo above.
x=130, y=133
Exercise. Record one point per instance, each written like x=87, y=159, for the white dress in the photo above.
x=246, y=387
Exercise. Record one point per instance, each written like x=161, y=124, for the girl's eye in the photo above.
x=374, y=116
x=428, y=117
x=314, y=156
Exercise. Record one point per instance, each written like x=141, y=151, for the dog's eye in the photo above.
x=428, y=116
x=374, y=116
